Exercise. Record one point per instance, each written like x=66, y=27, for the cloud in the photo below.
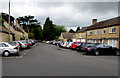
x=69, y=14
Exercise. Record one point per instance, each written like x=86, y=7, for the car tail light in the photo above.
x=25, y=44
x=18, y=44
x=28, y=43
x=16, y=48
x=89, y=48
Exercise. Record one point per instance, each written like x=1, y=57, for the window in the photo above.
x=100, y=45
x=106, y=45
x=4, y=45
x=0, y=44
x=90, y=41
x=112, y=42
x=112, y=30
x=89, y=32
x=103, y=31
x=96, y=32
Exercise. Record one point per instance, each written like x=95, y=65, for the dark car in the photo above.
x=80, y=47
x=98, y=49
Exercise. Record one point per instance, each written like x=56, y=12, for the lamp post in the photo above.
x=9, y=20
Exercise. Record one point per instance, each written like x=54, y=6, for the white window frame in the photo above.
x=103, y=31
x=96, y=32
x=111, y=30
x=112, y=42
x=89, y=32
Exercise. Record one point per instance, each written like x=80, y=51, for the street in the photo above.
x=49, y=60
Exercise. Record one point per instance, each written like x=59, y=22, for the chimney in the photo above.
x=94, y=21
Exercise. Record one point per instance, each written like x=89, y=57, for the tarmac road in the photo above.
x=49, y=60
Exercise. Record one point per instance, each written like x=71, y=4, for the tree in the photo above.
x=28, y=22
x=71, y=31
x=78, y=28
x=48, y=30
x=31, y=35
x=38, y=33
x=58, y=30
x=52, y=31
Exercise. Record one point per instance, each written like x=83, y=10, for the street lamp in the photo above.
x=9, y=20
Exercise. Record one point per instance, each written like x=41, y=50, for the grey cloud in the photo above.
x=69, y=14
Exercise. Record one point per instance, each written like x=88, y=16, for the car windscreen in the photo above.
x=23, y=41
x=12, y=43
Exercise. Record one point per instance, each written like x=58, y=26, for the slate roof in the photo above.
x=107, y=23
x=68, y=35
x=83, y=29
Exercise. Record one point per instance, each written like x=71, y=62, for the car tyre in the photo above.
x=117, y=53
x=97, y=53
x=6, y=54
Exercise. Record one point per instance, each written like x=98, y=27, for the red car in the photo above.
x=74, y=45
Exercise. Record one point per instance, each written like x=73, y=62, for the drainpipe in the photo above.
x=119, y=37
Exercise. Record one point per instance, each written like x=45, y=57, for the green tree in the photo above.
x=28, y=22
x=52, y=31
x=58, y=30
x=48, y=30
x=71, y=31
x=38, y=33
x=31, y=35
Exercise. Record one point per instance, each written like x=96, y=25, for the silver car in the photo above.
x=15, y=43
x=6, y=49
x=24, y=44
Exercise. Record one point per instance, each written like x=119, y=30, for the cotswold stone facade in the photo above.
x=16, y=32
x=107, y=31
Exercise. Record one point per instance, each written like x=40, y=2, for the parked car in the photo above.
x=80, y=47
x=29, y=44
x=61, y=44
x=98, y=49
x=6, y=49
x=69, y=44
x=15, y=43
x=64, y=44
x=57, y=43
x=74, y=45
x=23, y=43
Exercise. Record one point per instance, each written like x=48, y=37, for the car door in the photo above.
x=100, y=48
x=107, y=49
x=1, y=48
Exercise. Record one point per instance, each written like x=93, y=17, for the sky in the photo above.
x=71, y=14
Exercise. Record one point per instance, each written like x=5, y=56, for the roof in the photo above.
x=83, y=29
x=106, y=23
x=68, y=35
x=5, y=30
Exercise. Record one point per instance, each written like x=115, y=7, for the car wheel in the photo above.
x=97, y=53
x=6, y=53
x=117, y=53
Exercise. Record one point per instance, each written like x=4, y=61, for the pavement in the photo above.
x=49, y=60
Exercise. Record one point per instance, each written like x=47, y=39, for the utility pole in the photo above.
x=9, y=20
